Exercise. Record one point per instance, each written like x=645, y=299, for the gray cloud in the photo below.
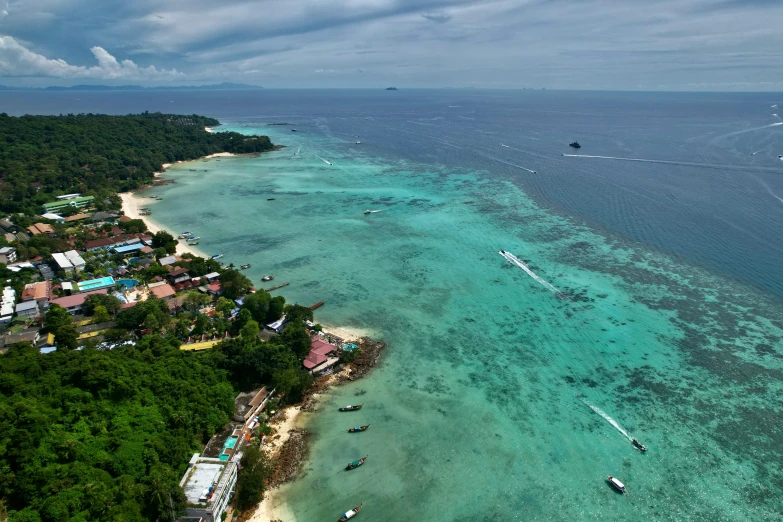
x=685, y=44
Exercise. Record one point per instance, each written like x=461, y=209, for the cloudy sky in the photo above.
x=572, y=44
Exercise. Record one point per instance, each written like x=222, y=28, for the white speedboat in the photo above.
x=217, y=256
x=185, y=234
x=616, y=484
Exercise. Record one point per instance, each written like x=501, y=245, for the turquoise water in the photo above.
x=500, y=398
x=128, y=283
x=103, y=282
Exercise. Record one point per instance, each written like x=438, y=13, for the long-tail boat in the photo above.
x=352, y=408
x=350, y=513
x=357, y=429
x=355, y=464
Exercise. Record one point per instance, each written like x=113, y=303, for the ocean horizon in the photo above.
x=543, y=305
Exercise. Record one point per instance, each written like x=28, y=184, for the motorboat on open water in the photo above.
x=638, y=445
x=357, y=429
x=355, y=464
x=616, y=484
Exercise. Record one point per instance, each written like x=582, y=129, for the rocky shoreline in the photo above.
x=288, y=462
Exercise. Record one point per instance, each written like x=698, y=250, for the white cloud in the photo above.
x=18, y=60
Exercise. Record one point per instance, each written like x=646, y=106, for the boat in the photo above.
x=391, y=88
x=355, y=464
x=351, y=408
x=616, y=484
x=350, y=513
x=575, y=145
x=638, y=445
x=270, y=199
x=502, y=252
x=185, y=234
x=245, y=267
x=193, y=243
x=217, y=256
x=357, y=429
x=267, y=278
x=294, y=130
x=192, y=238
x=358, y=142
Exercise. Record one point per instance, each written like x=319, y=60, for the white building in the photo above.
x=7, y=305
x=75, y=260
x=63, y=263
x=209, y=484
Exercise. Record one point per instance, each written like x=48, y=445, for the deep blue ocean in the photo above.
x=727, y=219
x=644, y=300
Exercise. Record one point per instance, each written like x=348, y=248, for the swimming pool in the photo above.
x=128, y=283
x=230, y=443
x=94, y=284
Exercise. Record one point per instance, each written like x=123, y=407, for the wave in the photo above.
x=515, y=260
x=611, y=421
x=682, y=163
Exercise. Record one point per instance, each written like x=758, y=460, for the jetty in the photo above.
x=317, y=305
x=276, y=287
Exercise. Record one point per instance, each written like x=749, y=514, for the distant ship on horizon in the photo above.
x=391, y=88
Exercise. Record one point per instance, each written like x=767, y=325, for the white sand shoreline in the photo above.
x=131, y=205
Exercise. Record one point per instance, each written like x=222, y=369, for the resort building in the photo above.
x=164, y=291
x=63, y=263
x=126, y=249
x=208, y=484
x=39, y=292
x=76, y=260
x=37, y=229
x=74, y=303
x=321, y=356
x=178, y=276
x=26, y=336
x=53, y=217
x=76, y=202
x=7, y=255
x=168, y=260
x=75, y=217
x=7, y=302
x=27, y=309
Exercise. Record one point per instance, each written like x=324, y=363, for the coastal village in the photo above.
x=78, y=278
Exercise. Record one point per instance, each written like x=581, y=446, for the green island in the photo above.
x=128, y=372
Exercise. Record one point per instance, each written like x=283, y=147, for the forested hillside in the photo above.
x=98, y=155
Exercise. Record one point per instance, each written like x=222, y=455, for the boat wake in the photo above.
x=683, y=163
x=297, y=151
x=610, y=420
x=515, y=260
x=325, y=161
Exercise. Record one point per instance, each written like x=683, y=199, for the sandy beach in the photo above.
x=131, y=205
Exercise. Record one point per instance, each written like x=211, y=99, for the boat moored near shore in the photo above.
x=357, y=429
x=351, y=408
x=356, y=463
x=350, y=513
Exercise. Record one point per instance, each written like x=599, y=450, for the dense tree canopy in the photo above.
x=90, y=435
x=100, y=155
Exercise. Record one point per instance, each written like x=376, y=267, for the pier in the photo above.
x=317, y=305
x=276, y=287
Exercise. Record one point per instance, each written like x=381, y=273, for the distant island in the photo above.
x=391, y=88
x=225, y=86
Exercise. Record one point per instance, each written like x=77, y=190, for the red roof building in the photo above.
x=163, y=291
x=313, y=359
x=73, y=303
x=321, y=347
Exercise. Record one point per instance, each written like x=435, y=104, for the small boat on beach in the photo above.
x=616, y=484
x=217, y=256
x=355, y=464
x=350, y=513
x=638, y=445
x=194, y=243
x=245, y=267
x=575, y=145
x=351, y=408
x=267, y=278
x=194, y=238
x=357, y=429
x=185, y=235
